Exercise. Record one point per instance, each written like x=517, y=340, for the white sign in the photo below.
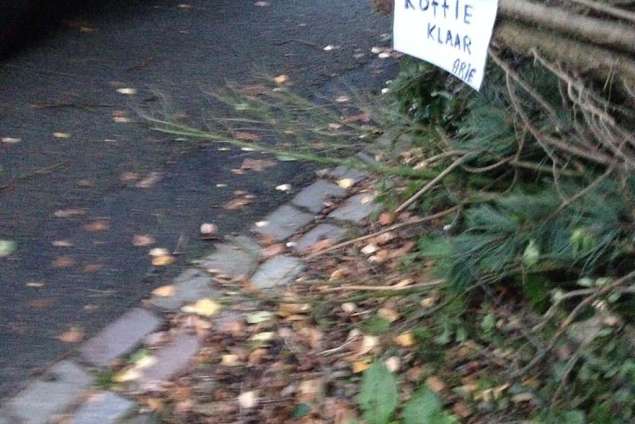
x=452, y=34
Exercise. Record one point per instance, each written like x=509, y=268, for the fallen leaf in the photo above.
x=248, y=400
x=72, y=335
x=141, y=240
x=284, y=187
x=10, y=140
x=259, y=317
x=69, y=213
x=63, y=262
x=246, y=136
x=435, y=384
x=230, y=360
x=361, y=366
x=281, y=79
x=257, y=165
x=7, y=247
x=127, y=91
x=164, y=291
x=150, y=180
x=393, y=363
x=91, y=268
x=388, y=314
x=273, y=250
x=159, y=251
x=203, y=307
x=208, y=230
x=163, y=260
x=346, y=183
x=406, y=339
x=97, y=226
x=238, y=202
x=387, y=218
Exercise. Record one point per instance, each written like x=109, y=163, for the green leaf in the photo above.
x=7, y=247
x=426, y=408
x=378, y=397
x=301, y=410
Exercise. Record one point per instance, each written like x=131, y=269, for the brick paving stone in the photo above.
x=171, y=360
x=356, y=209
x=314, y=196
x=119, y=337
x=283, y=222
x=342, y=172
x=277, y=271
x=236, y=259
x=321, y=232
x=103, y=408
x=191, y=285
x=50, y=395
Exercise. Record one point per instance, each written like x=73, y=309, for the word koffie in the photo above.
x=452, y=11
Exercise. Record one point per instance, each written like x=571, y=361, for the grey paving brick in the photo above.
x=120, y=337
x=283, y=222
x=321, y=232
x=314, y=196
x=237, y=258
x=103, y=408
x=277, y=271
x=50, y=395
x=342, y=172
x=171, y=360
x=191, y=285
x=356, y=209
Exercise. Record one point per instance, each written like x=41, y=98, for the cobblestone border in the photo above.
x=68, y=391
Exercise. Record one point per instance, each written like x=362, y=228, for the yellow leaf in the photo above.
x=128, y=374
x=163, y=260
x=406, y=339
x=360, y=366
x=204, y=307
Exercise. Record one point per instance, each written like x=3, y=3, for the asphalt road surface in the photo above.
x=70, y=200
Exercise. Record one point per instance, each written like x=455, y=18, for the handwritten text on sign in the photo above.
x=452, y=34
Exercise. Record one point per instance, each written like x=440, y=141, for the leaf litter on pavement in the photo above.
x=304, y=355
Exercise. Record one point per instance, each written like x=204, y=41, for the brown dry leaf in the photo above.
x=238, y=202
x=141, y=240
x=435, y=384
x=273, y=250
x=92, y=268
x=321, y=245
x=246, y=136
x=128, y=177
x=387, y=218
x=149, y=181
x=164, y=291
x=362, y=117
x=41, y=303
x=97, y=226
x=253, y=89
x=63, y=262
x=69, y=213
x=257, y=165
x=72, y=335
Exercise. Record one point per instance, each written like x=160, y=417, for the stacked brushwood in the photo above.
x=541, y=165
